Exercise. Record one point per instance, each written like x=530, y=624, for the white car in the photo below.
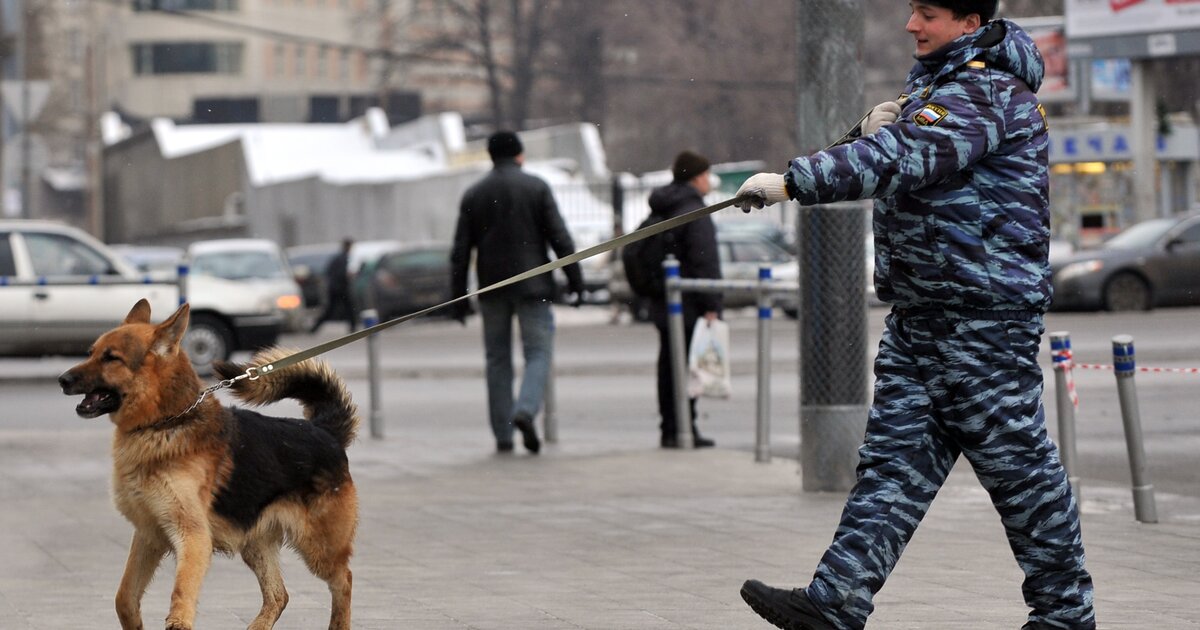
x=60, y=289
x=250, y=276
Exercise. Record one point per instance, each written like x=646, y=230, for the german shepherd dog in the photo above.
x=194, y=479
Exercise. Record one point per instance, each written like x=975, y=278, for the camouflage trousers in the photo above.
x=947, y=386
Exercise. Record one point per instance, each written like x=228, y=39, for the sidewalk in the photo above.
x=602, y=531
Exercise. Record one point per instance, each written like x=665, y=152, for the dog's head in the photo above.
x=130, y=363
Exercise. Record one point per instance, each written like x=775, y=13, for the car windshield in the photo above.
x=239, y=265
x=1141, y=235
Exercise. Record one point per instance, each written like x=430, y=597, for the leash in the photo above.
x=256, y=372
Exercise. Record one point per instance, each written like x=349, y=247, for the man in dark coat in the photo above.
x=694, y=245
x=339, y=304
x=509, y=219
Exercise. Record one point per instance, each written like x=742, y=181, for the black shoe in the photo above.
x=524, y=424
x=504, y=447
x=790, y=610
x=698, y=441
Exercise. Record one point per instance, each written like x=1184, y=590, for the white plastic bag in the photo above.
x=708, y=360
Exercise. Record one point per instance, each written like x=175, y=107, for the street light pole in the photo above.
x=26, y=106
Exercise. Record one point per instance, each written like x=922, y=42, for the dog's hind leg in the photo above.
x=326, y=544
x=145, y=554
x=262, y=556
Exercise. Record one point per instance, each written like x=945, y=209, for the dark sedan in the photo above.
x=1153, y=263
x=409, y=279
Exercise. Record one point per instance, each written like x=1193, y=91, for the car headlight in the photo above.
x=1077, y=269
x=287, y=302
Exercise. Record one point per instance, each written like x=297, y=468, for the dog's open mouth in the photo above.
x=97, y=403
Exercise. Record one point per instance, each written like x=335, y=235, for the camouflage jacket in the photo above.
x=961, y=180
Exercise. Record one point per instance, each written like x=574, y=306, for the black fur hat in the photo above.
x=985, y=8
x=688, y=164
x=504, y=144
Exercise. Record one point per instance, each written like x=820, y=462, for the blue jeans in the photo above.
x=537, y=343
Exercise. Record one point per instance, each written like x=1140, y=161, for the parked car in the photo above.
x=60, y=289
x=159, y=261
x=308, y=264
x=1152, y=263
x=253, y=280
x=742, y=253
x=408, y=279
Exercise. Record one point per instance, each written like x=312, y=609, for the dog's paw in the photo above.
x=177, y=625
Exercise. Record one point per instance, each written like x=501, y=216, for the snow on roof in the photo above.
x=278, y=152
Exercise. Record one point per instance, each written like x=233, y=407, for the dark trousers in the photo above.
x=666, y=384
x=945, y=388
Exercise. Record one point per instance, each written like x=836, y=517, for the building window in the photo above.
x=322, y=62
x=185, y=5
x=344, y=64
x=187, y=58
x=279, y=61
x=301, y=60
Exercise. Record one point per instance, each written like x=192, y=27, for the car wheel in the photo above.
x=207, y=339
x=1126, y=292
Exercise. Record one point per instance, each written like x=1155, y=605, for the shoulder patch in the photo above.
x=1042, y=111
x=929, y=115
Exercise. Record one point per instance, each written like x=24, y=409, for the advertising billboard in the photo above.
x=1133, y=29
x=1106, y=18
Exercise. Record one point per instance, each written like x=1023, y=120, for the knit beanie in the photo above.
x=504, y=144
x=985, y=8
x=688, y=164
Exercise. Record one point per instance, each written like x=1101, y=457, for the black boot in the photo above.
x=524, y=424
x=790, y=610
x=698, y=441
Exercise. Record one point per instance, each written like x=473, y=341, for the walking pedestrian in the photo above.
x=959, y=169
x=694, y=245
x=509, y=219
x=339, y=299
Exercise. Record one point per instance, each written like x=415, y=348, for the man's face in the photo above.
x=934, y=27
x=702, y=183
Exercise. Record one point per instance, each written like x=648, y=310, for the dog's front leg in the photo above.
x=193, y=545
x=145, y=552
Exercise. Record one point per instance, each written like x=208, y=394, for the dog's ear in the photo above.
x=169, y=333
x=140, y=313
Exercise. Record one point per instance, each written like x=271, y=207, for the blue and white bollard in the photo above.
x=181, y=278
x=762, y=433
x=1125, y=367
x=1060, y=352
x=370, y=317
x=683, y=414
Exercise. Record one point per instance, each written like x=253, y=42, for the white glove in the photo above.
x=881, y=116
x=763, y=189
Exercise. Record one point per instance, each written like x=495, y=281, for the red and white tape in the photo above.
x=1153, y=370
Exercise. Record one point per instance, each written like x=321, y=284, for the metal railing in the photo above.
x=767, y=291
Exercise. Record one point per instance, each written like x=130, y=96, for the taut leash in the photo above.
x=609, y=245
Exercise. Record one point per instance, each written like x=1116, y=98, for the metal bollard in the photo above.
x=1060, y=351
x=1125, y=366
x=679, y=370
x=550, y=405
x=181, y=279
x=762, y=433
x=370, y=317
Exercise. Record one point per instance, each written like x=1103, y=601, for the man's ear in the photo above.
x=139, y=314
x=169, y=333
x=973, y=22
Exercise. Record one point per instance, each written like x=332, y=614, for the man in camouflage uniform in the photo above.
x=961, y=226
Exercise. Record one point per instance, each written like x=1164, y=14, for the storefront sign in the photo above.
x=1112, y=143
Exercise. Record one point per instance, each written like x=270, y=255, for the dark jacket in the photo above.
x=962, y=218
x=510, y=218
x=693, y=244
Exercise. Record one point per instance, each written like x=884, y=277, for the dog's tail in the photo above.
x=319, y=389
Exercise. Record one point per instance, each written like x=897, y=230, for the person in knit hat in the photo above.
x=959, y=171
